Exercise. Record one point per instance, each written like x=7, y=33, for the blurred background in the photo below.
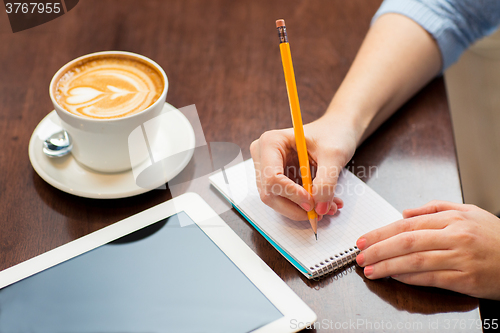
x=473, y=88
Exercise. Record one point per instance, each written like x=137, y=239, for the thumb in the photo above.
x=327, y=175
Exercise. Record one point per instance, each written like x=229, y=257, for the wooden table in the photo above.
x=223, y=56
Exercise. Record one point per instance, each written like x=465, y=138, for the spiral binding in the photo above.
x=335, y=262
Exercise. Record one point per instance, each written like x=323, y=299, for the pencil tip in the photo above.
x=315, y=234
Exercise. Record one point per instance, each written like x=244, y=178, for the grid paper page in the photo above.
x=363, y=211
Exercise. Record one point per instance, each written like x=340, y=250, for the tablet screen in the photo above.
x=167, y=277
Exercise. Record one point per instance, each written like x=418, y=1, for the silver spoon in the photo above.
x=58, y=144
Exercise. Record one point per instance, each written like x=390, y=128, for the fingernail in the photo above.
x=360, y=259
x=394, y=276
x=368, y=270
x=306, y=206
x=361, y=243
x=322, y=208
x=340, y=205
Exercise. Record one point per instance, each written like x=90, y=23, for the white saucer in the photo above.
x=67, y=175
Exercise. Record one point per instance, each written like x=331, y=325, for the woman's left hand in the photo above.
x=441, y=244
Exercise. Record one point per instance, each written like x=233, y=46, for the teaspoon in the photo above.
x=58, y=144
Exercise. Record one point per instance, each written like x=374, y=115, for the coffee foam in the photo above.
x=109, y=87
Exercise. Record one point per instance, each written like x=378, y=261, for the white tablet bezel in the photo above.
x=294, y=310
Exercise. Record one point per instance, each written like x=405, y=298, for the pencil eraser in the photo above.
x=280, y=23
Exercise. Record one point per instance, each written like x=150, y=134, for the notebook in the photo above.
x=364, y=210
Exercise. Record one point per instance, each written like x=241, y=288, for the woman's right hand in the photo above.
x=330, y=145
x=395, y=49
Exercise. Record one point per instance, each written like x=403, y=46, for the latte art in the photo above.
x=109, y=87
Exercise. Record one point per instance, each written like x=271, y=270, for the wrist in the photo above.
x=355, y=117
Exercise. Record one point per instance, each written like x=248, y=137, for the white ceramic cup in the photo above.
x=102, y=144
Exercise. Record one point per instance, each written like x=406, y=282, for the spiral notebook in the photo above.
x=363, y=211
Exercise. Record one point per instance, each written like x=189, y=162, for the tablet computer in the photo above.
x=176, y=267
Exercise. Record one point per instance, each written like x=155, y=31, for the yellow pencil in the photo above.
x=293, y=98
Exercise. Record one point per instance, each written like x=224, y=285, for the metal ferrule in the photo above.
x=282, y=34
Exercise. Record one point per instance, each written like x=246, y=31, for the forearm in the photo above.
x=396, y=59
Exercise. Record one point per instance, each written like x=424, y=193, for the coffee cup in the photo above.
x=101, y=98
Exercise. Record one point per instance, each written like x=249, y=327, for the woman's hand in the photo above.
x=395, y=49
x=440, y=244
x=330, y=146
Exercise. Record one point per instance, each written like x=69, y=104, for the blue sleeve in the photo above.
x=454, y=24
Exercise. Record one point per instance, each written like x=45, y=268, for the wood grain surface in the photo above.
x=223, y=56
